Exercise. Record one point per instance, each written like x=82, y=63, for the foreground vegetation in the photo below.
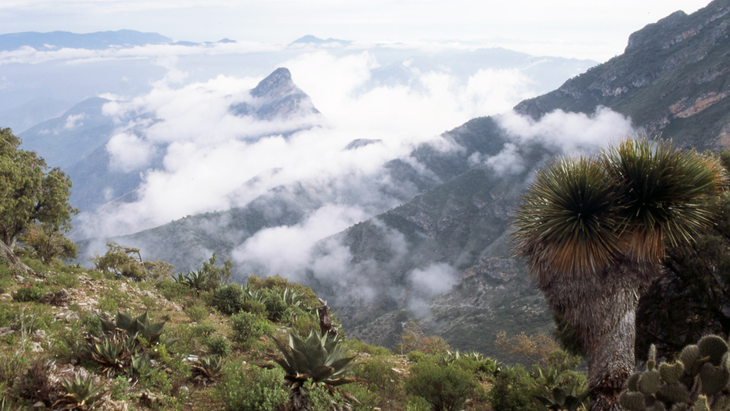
x=121, y=337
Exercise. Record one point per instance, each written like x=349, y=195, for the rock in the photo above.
x=39, y=404
x=59, y=298
x=20, y=278
x=6, y=296
x=35, y=347
x=6, y=331
x=38, y=335
x=71, y=317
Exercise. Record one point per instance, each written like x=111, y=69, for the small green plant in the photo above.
x=228, y=299
x=217, y=345
x=560, y=399
x=79, y=394
x=196, y=313
x=206, y=370
x=136, y=326
x=120, y=389
x=204, y=330
x=244, y=388
x=29, y=292
x=247, y=328
x=512, y=390
x=445, y=387
x=318, y=359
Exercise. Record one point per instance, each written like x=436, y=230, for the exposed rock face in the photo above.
x=276, y=96
x=671, y=80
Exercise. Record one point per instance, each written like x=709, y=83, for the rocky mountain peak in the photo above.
x=277, y=84
x=276, y=96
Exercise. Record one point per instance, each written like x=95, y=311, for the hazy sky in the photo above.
x=596, y=29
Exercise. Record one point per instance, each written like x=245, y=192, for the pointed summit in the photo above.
x=276, y=96
x=276, y=84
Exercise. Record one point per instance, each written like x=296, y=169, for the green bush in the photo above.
x=512, y=390
x=172, y=290
x=204, y=330
x=245, y=388
x=445, y=387
x=246, y=328
x=275, y=304
x=29, y=292
x=196, y=313
x=217, y=345
x=359, y=346
x=254, y=307
x=378, y=372
x=228, y=299
x=7, y=314
x=416, y=356
x=416, y=403
x=66, y=280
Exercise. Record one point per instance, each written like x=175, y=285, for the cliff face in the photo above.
x=672, y=80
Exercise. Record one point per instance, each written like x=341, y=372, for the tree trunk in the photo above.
x=610, y=363
x=6, y=253
x=602, y=308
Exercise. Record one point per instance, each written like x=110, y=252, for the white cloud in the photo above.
x=73, y=121
x=128, y=152
x=208, y=154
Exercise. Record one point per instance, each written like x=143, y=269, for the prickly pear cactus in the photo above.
x=698, y=381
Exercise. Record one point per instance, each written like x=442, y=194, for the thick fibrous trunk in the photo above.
x=602, y=307
x=6, y=253
x=610, y=363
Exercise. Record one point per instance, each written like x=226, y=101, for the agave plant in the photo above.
x=320, y=359
x=291, y=298
x=558, y=399
x=136, y=326
x=80, y=394
x=112, y=351
x=206, y=369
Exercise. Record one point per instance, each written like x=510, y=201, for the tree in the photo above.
x=29, y=193
x=594, y=231
x=46, y=244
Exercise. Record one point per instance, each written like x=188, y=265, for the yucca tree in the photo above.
x=594, y=231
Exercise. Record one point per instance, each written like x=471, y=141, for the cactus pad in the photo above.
x=633, y=381
x=650, y=382
x=673, y=393
x=671, y=373
x=689, y=356
x=632, y=401
x=714, y=347
x=713, y=379
x=701, y=404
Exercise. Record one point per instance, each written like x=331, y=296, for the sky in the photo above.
x=596, y=30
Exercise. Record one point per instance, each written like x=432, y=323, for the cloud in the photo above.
x=211, y=159
x=128, y=152
x=571, y=132
x=73, y=121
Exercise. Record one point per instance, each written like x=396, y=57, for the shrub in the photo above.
x=280, y=284
x=217, y=345
x=379, y=374
x=413, y=339
x=359, y=346
x=254, y=307
x=251, y=389
x=445, y=387
x=228, y=299
x=66, y=280
x=416, y=403
x=172, y=290
x=512, y=390
x=204, y=330
x=196, y=313
x=246, y=328
x=416, y=356
x=275, y=305
x=29, y=292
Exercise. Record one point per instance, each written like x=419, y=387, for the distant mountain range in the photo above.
x=91, y=41
x=672, y=80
